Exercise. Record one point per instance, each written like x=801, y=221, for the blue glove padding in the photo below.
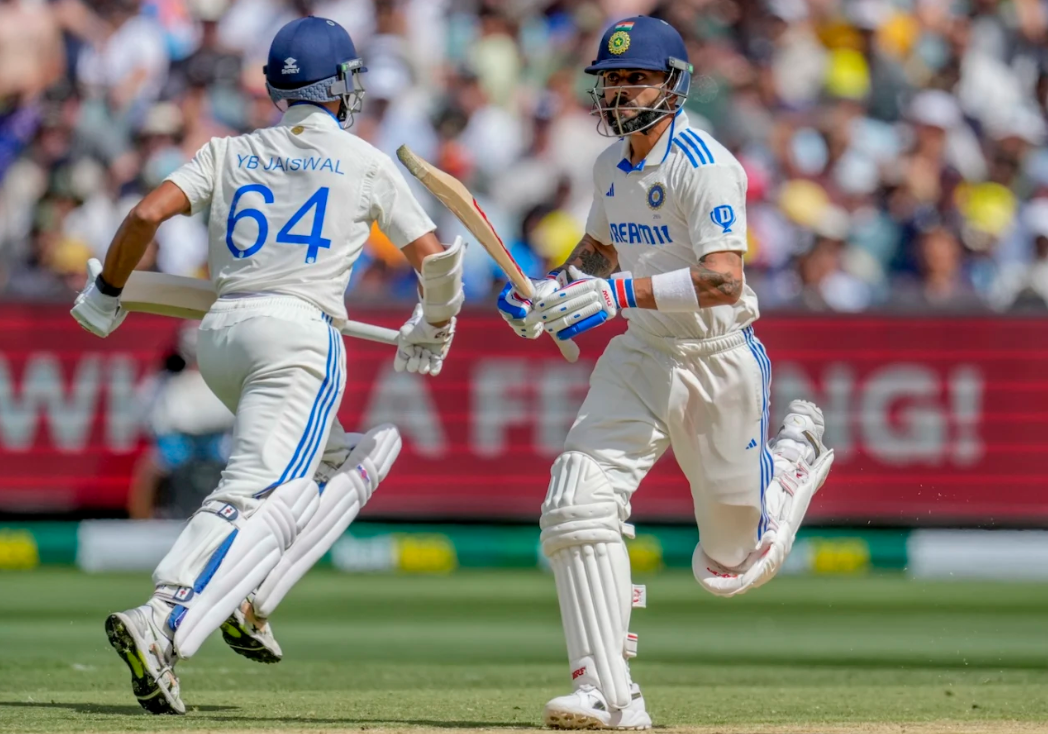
x=581, y=305
x=515, y=307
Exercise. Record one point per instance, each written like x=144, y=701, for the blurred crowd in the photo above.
x=896, y=149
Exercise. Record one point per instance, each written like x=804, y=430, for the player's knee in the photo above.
x=581, y=507
x=729, y=536
x=577, y=479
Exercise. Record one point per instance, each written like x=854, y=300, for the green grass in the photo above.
x=485, y=650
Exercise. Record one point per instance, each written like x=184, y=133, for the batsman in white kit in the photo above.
x=669, y=215
x=290, y=209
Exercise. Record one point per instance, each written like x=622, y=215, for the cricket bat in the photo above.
x=190, y=298
x=456, y=197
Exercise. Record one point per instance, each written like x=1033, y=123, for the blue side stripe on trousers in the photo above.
x=757, y=350
x=321, y=393
x=313, y=446
x=214, y=562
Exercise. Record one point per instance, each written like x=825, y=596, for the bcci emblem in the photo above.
x=723, y=216
x=619, y=42
x=656, y=195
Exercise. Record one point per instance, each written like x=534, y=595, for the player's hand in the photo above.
x=422, y=347
x=98, y=313
x=515, y=308
x=583, y=304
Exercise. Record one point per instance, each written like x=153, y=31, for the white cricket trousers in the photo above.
x=279, y=364
x=707, y=399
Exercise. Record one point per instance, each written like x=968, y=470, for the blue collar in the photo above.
x=657, y=155
x=323, y=109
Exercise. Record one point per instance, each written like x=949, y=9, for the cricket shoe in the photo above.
x=150, y=656
x=800, y=463
x=587, y=708
x=250, y=636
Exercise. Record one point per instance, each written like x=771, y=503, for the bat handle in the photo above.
x=568, y=348
x=370, y=332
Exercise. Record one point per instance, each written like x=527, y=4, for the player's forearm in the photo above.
x=717, y=281
x=127, y=249
x=593, y=258
x=138, y=229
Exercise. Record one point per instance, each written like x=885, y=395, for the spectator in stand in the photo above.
x=909, y=116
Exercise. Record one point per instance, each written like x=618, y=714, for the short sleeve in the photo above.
x=714, y=203
x=597, y=221
x=394, y=208
x=197, y=178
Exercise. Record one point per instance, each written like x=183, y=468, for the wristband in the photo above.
x=624, y=295
x=674, y=291
x=105, y=289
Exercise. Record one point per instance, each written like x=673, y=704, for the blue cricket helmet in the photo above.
x=314, y=60
x=640, y=42
x=649, y=44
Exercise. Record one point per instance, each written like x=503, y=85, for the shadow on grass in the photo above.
x=99, y=708
x=354, y=721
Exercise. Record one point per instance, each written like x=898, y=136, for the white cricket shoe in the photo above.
x=587, y=708
x=150, y=656
x=251, y=636
x=802, y=463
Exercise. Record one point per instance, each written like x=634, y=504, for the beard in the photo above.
x=624, y=126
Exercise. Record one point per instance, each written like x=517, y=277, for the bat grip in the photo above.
x=568, y=348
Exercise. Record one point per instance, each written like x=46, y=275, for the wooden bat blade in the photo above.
x=167, y=295
x=453, y=194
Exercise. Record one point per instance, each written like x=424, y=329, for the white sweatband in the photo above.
x=674, y=291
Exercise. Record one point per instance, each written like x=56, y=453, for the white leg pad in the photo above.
x=340, y=500
x=582, y=537
x=228, y=555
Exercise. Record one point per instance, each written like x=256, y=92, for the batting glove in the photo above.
x=583, y=304
x=95, y=311
x=421, y=346
x=515, y=307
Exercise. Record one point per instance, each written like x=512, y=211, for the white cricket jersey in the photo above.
x=686, y=199
x=292, y=205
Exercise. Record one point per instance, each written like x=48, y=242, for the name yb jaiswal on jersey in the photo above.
x=290, y=165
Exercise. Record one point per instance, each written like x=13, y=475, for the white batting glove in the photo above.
x=515, y=308
x=581, y=305
x=422, y=347
x=98, y=313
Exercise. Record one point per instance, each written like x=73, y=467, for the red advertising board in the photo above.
x=933, y=420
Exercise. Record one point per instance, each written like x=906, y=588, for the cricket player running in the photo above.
x=669, y=214
x=290, y=209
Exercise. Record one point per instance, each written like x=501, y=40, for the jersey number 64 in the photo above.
x=313, y=241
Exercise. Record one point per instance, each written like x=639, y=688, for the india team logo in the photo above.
x=656, y=195
x=723, y=216
x=619, y=42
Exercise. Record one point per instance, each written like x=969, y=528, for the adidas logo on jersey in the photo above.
x=752, y=444
x=290, y=66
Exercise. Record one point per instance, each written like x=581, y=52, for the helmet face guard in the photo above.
x=613, y=124
x=346, y=86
